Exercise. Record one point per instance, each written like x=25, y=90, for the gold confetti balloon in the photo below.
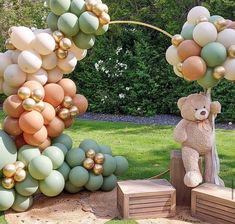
x=99, y=158
x=58, y=36
x=20, y=175
x=19, y=164
x=177, y=40
x=37, y=95
x=40, y=106
x=64, y=113
x=24, y=93
x=9, y=170
x=65, y=44
x=74, y=111
x=8, y=183
x=9, y=45
x=29, y=104
x=231, y=51
x=98, y=169
x=67, y=102
x=61, y=54
x=90, y=154
x=88, y=163
x=219, y=72
x=104, y=18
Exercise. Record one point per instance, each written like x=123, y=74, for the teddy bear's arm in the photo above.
x=180, y=134
x=215, y=107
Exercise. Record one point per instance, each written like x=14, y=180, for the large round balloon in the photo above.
x=7, y=198
x=78, y=7
x=11, y=126
x=49, y=62
x=22, y=203
x=229, y=66
x=13, y=106
x=104, y=149
x=88, y=22
x=68, y=64
x=208, y=81
x=68, y=86
x=109, y=165
x=55, y=127
x=37, y=138
x=187, y=31
x=75, y=157
x=89, y=144
x=109, y=183
x=94, y=182
x=78, y=176
x=197, y=12
x=5, y=62
x=45, y=144
x=187, y=49
x=52, y=20
x=81, y=103
x=27, y=152
x=8, y=90
x=55, y=75
x=14, y=76
x=54, y=94
x=226, y=37
x=69, y=187
x=59, y=7
x=84, y=41
x=122, y=165
x=65, y=140
x=64, y=169
x=55, y=155
x=62, y=147
x=172, y=56
x=33, y=85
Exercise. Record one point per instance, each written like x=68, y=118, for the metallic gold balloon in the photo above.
x=65, y=44
x=99, y=158
x=74, y=111
x=57, y=109
x=98, y=169
x=61, y=54
x=37, y=95
x=40, y=106
x=177, y=40
x=8, y=183
x=24, y=93
x=29, y=104
x=19, y=164
x=58, y=36
x=67, y=102
x=98, y=9
x=179, y=67
x=90, y=4
x=64, y=113
x=104, y=18
x=9, y=45
x=202, y=19
x=20, y=175
x=219, y=72
x=231, y=51
x=220, y=24
x=90, y=154
x=88, y=163
x=56, y=46
x=106, y=9
x=9, y=170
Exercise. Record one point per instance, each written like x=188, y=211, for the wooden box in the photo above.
x=213, y=203
x=146, y=199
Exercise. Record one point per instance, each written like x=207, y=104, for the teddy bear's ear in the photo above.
x=181, y=102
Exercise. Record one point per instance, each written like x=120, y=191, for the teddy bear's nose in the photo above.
x=203, y=113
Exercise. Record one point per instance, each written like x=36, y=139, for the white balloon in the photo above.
x=229, y=66
x=5, y=61
x=79, y=53
x=43, y=43
x=68, y=64
x=8, y=53
x=197, y=12
x=49, y=61
x=204, y=33
x=8, y=90
x=40, y=76
x=172, y=55
x=37, y=31
x=226, y=37
x=29, y=61
x=14, y=76
x=22, y=37
x=55, y=75
x=177, y=72
x=14, y=56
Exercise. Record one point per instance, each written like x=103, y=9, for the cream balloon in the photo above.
x=22, y=37
x=204, y=33
x=5, y=61
x=197, y=12
x=172, y=55
x=55, y=75
x=229, y=66
x=40, y=76
x=49, y=61
x=43, y=43
x=68, y=64
x=29, y=61
x=8, y=90
x=79, y=53
x=14, y=76
x=14, y=56
x=177, y=72
x=8, y=53
x=226, y=37
x=37, y=31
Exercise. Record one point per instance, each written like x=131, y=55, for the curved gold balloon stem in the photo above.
x=141, y=24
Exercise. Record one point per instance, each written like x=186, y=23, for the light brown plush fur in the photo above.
x=195, y=134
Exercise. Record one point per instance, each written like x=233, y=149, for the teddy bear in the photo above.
x=195, y=133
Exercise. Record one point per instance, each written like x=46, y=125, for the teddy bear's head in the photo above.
x=195, y=107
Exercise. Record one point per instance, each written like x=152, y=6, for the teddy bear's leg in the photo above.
x=193, y=176
x=208, y=168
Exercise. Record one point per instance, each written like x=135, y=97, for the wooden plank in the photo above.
x=153, y=209
x=211, y=219
x=151, y=205
x=150, y=215
x=140, y=200
x=193, y=202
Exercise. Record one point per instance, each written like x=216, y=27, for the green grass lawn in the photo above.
x=147, y=147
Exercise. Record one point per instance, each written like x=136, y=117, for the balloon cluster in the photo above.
x=205, y=49
x=79, y=20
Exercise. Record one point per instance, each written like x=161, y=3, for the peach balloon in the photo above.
x=232, y=26
x=13, y=106
x=37, y=138
x=69, y=87
x=19, y=141
x=68, y=122
x=49, y=61
x=54, y=94
x=55, y=127
x=55, y=75
x=81, y=103
x=8, y=90
x=32, y=85
x=187, y=49
x=48, y=113
x=45, y=144
x=11, y=126
x=31, y=122
x=194, y=68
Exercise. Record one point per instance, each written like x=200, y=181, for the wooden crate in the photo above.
x=146, y=199
x=213, y=203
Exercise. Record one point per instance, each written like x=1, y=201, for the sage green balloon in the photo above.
x=122, y=165
x=8, y=150
x=88, y=22
x=7, y=198
x=89, y=144
x=78, y=176
x=102, y=30
x=187, y=31
x=84, y=41
x=59, y=6
x=75, y=157
x=64, y=170
x=109, y=183
x=213, y=18
x=94, y=182
x=65, y=140
x=27, y=187
x=56, y=156
x=71, y=188
x=78, y=7
x=40, y=167
x=214, y=54
x=104, y=149
x=208, y=81
x=68, y=24
x=109, y=165
x=27, y=152
x=22, y=203
x=61, y=147
x=52, y=20
x=53, y=185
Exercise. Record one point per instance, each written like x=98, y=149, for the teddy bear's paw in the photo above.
x=192, y=178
